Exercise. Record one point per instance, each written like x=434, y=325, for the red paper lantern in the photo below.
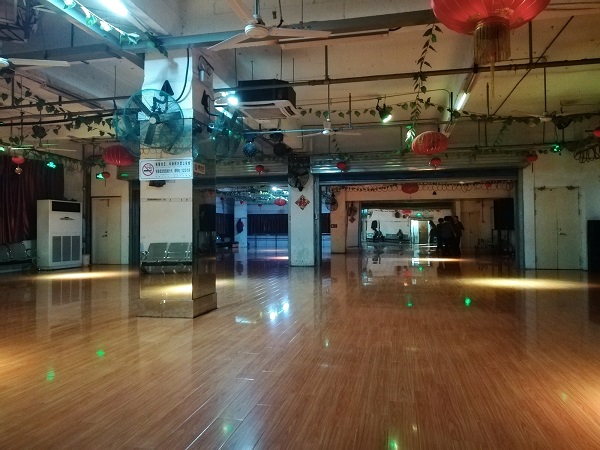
x=490, y=21
x=342, y=165
x=106, y=175
x=18, y=160
x=531, y=158
x=280, y=201
x=260, y=168
x=597, y=131
x=118, y=155
x=435, y=162
x=488, y=185
x=429, y=143
x=406, y=212
x=410, y=188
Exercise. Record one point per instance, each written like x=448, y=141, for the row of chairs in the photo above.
x=164, y=256
x=16, y=253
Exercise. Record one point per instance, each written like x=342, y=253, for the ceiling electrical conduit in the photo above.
x=432, y=73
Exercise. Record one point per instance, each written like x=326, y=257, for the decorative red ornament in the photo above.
x=118, y=155
x=260, y=168
x=410, y=188
x=490, y=21
x=597, y=131
x=342, y=165
x=106, y=175
x=18, y=160
x=280, y=201
x=487, y=185
x=435, y=162
x=429, y=143
x=406, y=212
x=531, y=158
x=242, y=202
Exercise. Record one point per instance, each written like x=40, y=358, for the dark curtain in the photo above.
x=225, y=224
x=267, y=224
x=19, y=195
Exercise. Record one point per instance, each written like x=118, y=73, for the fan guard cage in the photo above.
x=151, y=118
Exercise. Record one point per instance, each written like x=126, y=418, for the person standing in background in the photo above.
x=438, y=233
x=432, y=232
x=458, y=228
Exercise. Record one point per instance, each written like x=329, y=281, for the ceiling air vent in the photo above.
x=272, y=99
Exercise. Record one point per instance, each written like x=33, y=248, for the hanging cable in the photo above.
x=187, y=71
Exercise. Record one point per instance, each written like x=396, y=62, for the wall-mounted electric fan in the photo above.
x=150, y=118
x=298, y=171
x=227, y=133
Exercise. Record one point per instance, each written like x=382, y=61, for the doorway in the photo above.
x=106, y=230
x=558, y=228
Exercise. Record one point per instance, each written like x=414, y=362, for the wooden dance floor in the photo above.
x=372, y=350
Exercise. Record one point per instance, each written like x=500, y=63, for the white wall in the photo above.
x=554, y=170
x=74, y=185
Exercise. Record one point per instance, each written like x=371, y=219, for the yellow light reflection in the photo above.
x=445, y=259
x=85, y=275
x=171, y=290
x=527, y=283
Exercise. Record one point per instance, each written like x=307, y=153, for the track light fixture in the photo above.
x=385, y=112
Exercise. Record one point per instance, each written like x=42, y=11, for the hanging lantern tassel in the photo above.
x=18, y=160
x=531, y=159
x=492, y=43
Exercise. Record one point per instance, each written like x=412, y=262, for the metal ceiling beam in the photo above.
x=81, y=53
x=77, y=18
x=355, y=25
x=428, y=74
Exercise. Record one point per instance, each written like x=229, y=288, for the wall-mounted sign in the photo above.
x=199, y=169
x=166, y=169
x=334, y=225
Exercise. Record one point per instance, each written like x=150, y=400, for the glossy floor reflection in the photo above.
x=390, y=349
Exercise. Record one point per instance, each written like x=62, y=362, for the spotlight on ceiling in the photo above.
x=385, y=112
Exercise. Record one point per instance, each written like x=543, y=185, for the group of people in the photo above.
x=447, y=234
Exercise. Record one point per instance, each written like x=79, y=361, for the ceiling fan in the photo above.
x=559, y=120
x=256, y=32
x=328, y=129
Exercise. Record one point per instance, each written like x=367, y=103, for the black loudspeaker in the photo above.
x=593, y=246
x=504, y=214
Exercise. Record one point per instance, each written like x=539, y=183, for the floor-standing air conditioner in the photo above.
x=59, y=228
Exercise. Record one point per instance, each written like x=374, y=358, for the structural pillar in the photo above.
x=177, y=201
x=302, y=216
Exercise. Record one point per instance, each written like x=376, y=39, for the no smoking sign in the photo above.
x=147, y=169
